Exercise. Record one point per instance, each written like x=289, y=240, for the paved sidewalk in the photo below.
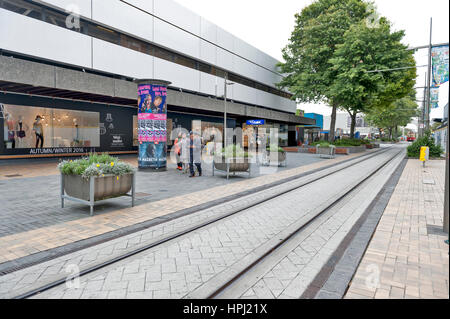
x=44, y=238
x=407, y=257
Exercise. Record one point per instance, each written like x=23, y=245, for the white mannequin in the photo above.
x=9, y=131
x=21, y=132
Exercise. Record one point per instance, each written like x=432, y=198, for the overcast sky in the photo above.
x=267, y=25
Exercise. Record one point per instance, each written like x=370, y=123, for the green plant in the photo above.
x=324, y=144
x=348, y=142
x=275, y=148
x=234, y=151
x=95, y=165
x=426, y=140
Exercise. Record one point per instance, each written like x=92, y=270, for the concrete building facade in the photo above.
x=67, y=70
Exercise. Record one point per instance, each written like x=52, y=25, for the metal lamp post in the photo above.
x=226, y=83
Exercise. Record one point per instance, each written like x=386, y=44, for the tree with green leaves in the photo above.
x=364, y=49
x=399, y=113
x=320, y=28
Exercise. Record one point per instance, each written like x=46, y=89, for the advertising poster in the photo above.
x=434, y=94
x=439, y=56
x=152, y=126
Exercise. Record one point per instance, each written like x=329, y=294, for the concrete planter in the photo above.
x=326, y=151
x=96, y=189
x=231, y=165
x=275, y=159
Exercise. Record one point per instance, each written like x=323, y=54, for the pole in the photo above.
x=225, y=112
x=446, y=191
x=428, y=95
x=422, y=116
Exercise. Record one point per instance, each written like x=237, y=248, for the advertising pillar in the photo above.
x=152, y=124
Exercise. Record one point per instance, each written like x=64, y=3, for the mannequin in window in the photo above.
x=10, y=128
x=21, y=129
x=38, y=131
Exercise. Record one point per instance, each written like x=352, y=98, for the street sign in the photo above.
x=256, y=122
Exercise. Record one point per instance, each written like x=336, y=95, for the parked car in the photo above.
x=410, y=138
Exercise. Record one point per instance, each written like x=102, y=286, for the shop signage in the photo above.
x=256, y=122
x=62, y=150
x=152, y=124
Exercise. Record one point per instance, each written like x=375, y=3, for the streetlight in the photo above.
x=226, y=83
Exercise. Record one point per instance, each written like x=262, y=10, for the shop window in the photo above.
x=187, y=62
x=164, y=54
x=23, y=7
x=36, y=127
x=105, y=34
x=203, y=67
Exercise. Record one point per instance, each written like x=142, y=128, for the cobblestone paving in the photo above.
x=291, y=276
x=179, y=266
x=407, y=257
x=40, y=225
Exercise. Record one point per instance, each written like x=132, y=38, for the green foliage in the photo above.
x=349, y=142
x=275, y=148
x=398, y=113
x=234, y=151
x=366, y=49
x=426, y=140
x=320, y=27
x=322, y=144
x=95, y=165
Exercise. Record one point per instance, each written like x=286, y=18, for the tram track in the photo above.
x=306, y=180
x=222, y=290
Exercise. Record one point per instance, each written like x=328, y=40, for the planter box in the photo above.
x=350, y=149
x=278, y=159
x=307, y=149
x=96, y=189
x=326, y=152
x=231, y=165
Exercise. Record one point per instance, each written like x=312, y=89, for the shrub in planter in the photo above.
x=426, y=140
x=232, y=159
x=348, y=142
x=113, y=178
x=280, y=154
x=325, y=149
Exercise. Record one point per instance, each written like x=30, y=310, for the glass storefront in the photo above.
x=40, y=127
x=270, y=133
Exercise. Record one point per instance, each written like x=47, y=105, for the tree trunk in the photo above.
x=390, y=133
x=396, y=132
x=379, y=130
x=352, y=127
x=332, y=124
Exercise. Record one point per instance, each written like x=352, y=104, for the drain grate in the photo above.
x=13, y=175
x=435, y=230
x=141, y=195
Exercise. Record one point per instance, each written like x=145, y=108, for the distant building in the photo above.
x=343, y=125
x=440, y=134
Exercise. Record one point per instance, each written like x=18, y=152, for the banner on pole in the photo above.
x=434, y=95
x=439, y=56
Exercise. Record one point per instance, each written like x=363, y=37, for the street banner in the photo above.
x=152, y=126
x=439, y=56
x=434, y=94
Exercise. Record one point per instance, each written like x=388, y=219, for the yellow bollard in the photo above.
x=424, y=154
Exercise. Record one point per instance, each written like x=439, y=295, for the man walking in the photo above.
x=195, y=154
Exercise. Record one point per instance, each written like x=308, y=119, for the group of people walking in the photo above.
x=188, y=151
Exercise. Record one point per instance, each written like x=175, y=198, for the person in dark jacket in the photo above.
x=195, y=152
